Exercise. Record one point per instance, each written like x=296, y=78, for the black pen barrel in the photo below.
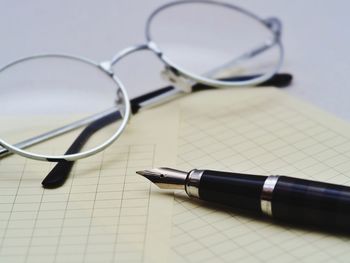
x=313, y=203
x=241, y=191
x=284, y=198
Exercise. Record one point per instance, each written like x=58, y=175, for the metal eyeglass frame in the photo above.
x=177, y=75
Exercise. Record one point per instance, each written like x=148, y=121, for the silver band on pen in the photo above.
x=267, y=193
x=192, y=183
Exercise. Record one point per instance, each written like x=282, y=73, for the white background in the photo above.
x=316, y=38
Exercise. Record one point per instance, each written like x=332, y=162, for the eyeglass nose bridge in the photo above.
x=169, y=73
x=107, y=66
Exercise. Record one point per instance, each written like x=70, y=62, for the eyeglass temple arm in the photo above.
x=276, y=27
x=77, y=124
x=248, y=55
x=280, y=80
x=56, y=132
x=59, y=174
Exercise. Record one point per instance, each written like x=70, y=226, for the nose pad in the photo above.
x=120, y=102
x=178, y=80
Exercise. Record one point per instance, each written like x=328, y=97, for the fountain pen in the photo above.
x=283, y=198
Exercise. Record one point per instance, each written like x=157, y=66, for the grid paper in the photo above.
x=103, y=213
x=259, y=131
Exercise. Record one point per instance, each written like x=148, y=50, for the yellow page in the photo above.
x=260, y=131
x=104, y=212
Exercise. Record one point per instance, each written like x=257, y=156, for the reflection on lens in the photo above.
x=215, y=41
x=44, y=93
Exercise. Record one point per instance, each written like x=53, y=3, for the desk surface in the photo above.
x=316, y=38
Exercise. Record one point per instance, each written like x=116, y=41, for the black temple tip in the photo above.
x=280, y=80
x=58, y=175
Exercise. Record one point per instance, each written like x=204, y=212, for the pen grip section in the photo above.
x=240, y=191
x=313, y=203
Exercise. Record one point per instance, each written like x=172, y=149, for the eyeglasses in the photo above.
x=202, y=44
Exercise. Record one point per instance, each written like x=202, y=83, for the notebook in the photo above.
x=104, y=212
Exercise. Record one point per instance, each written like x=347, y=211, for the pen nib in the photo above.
x=165, y=178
